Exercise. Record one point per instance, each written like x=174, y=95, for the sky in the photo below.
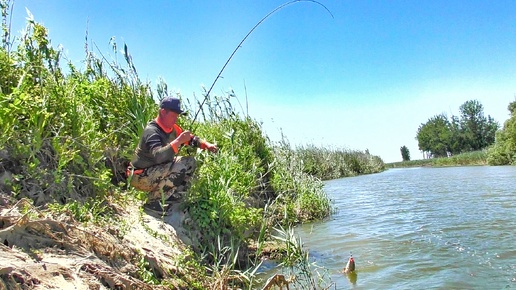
x=351, y=75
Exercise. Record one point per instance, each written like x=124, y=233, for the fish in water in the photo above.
x=350, y=266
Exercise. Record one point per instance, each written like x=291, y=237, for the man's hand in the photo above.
x=184, y=137
x=211, y=147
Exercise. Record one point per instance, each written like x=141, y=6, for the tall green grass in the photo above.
x=298, y=265
x=463, y=159
x=332, y=163
x=68, y=134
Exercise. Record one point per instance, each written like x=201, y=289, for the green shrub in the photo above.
x=66, y=137
x=330, y=163
x=503, y=152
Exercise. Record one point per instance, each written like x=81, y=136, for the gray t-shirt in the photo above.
x=154, y=147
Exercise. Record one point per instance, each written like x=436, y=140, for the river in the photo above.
x=420, y=228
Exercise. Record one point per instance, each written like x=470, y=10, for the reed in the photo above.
x=66, y=136
x=463, y=159
x=332, y=163
x=296, y=263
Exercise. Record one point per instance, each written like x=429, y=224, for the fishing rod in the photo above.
x=240, y=45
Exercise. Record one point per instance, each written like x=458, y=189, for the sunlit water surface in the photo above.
x=420, y=228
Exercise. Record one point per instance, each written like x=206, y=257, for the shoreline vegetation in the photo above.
x=68, y=218
x=474, y=158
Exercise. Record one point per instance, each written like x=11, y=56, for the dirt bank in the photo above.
x=42, y=251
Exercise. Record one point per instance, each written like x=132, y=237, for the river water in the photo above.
x=420, y=228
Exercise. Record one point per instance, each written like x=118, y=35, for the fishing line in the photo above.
x=243, y=40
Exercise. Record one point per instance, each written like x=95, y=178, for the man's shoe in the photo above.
x=156, y=208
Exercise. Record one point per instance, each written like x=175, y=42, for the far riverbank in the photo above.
x=465, y=159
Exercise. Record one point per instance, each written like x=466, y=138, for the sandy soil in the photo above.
x=42, y=252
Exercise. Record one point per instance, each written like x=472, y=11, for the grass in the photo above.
x=464, y=159
x=67, y=133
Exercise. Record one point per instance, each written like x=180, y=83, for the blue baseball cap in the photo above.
x=171, y=103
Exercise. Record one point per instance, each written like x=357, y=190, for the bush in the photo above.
x=503, y=152
x=68, y=137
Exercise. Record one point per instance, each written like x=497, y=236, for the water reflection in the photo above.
x=352, y=277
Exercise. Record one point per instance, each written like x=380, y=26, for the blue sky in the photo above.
x=364, y=79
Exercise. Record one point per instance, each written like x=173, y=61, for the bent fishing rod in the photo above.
x=206, y=96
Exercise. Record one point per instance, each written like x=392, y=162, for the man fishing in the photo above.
x=155, y=167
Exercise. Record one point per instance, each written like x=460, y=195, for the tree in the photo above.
x=504, y=150
x=457, y=139
x=490, y=131
x=477, y=130
x=405, y=153
x=434, y=136
x=470, y=132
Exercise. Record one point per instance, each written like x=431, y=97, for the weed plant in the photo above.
x=297, y=264
x=67, y=138
x=61, y=131
x=332, y=163
x=463, y=159
x=503, y=152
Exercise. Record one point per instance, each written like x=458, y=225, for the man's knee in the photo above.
x=192, y=164
x=186, y=164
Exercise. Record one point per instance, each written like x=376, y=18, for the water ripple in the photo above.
x=445, y=228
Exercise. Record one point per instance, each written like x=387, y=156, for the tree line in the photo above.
x=441, y=136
